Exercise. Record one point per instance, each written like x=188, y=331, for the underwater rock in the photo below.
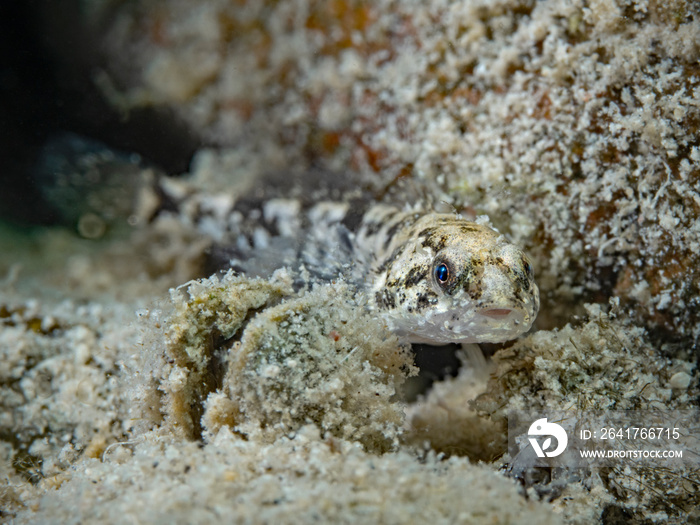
x=256, y=357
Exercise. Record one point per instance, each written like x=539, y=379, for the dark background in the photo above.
x=48, y=58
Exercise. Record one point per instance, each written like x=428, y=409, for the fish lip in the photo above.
x=505, y=315
x=497, y=313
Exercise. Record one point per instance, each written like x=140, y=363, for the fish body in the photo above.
x=433, y=278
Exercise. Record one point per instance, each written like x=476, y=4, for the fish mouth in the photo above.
x=497, y=313
x=502, y=316
x=504, y=321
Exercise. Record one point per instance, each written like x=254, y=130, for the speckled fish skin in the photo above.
x=489, y=294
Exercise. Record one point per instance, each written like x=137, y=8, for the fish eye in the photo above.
x=442, y=273
x=528, y=267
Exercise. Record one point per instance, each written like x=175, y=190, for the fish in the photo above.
x=439, y=278
x=432, y=278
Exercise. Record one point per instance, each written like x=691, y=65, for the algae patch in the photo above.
x=606, y=363
x=263, y=360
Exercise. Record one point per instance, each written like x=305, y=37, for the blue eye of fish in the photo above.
x=442, y=273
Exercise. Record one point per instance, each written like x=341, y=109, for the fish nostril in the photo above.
x=497, y=313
